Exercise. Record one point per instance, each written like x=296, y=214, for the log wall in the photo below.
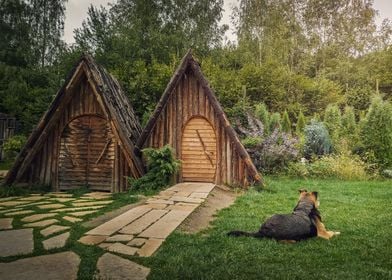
x=44, y=168
x=186, y=101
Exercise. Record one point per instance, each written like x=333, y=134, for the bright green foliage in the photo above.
x=161, y=166
x=317, y=140
x=349, y=129
x=376, y=132
x=13, y=145
x=342, y=166
x=251, y=142
x=301, y=122
x=262, y=114
x=275, y=122
x=286, y=123
x=332, y=120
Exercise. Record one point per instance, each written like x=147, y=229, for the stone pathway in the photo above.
x=60, y=266
x=142, y=230
x=46, y=213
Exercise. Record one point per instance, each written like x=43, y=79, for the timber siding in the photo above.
x=189, y=96
x=86, y=137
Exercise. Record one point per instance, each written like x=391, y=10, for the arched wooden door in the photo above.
x=86, y=155
x=198, y=150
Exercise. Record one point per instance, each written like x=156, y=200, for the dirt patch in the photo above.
x=219, y=198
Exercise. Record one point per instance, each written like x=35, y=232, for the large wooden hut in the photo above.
x=189, y=118
x=86, y=137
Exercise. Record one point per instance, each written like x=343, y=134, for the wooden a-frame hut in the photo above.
x=189, y=118
x=86, y=137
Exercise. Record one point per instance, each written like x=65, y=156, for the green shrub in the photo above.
x=161, y=166
x=286, y=123
x=387, y=173
x=376, y=133
x=261, y=112
x=301, y=122
x=332, y=121
x=13, y=145
x=343, y=167
x=317, y=140
x=274, y=122
x=251, y=142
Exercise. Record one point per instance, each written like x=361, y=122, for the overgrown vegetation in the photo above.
x=161, y=167
x=356, y=209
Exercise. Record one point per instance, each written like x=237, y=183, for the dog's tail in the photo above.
x=237, y=233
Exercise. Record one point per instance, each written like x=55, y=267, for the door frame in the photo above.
x=61, y=131
x=216, y=142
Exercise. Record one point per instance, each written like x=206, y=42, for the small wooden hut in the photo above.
x=7, y=129
x=189, y=118
x=86, y=137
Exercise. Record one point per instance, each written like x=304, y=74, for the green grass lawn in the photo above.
x=361, y=211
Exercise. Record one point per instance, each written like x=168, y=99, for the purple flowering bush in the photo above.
x=270, y=153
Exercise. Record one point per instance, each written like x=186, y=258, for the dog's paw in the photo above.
x=336, y=233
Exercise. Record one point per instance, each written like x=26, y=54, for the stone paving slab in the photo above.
x=166, y=225
x=17, y=213
x=122, y=249
x=92, y=239
x=120, y=238
x=37, y=217
x=150, y=247
x=186, y=199
x=82, y=213
x=60, y=266
x=7, y=198
x=62, y=199
x=183, y=206
x=159, y=201
x=199, y=194
x=72, y=219
x=119, y=222
x=32, y=198
x=16, y=242
x=110, y=266
x=77, y=208
x=137, y=242
x=57, y=241
x=92, y=203
x=6, y=223
x=43, y=223
x=142, y=223
x=34, y=204
x=51, y=206
x=104, y=245
x=59, y=194
x=53, y=229
x=12, y=203
x=157, y=206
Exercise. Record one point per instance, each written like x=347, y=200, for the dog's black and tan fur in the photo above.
x=304, y=222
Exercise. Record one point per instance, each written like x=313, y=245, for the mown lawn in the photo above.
x=361, y=211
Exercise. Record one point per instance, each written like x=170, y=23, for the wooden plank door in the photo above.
x=86, y=155
x=198, y=151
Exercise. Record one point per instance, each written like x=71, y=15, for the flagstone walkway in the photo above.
x=142, y=230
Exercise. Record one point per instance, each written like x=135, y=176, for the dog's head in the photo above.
x=309, y=196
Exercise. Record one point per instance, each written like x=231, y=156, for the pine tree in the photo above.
x=332, y=120
x=286, y=123
x=376, y=132
x=262, y=114
x=301, y=122
x=348, y=126
x=275, y=121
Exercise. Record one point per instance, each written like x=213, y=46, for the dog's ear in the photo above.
x=302, y=190
x=315, y=195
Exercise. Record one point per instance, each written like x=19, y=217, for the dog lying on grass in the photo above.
x=303, y=223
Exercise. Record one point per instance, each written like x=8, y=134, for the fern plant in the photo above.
x=161, y=166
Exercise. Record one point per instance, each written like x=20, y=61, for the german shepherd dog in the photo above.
x=303, y=223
